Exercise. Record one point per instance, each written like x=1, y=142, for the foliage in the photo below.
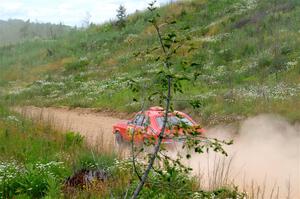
x=221, y=193
x=31, y=180
x=78, y=66
x=176, y=184
x=95, y=161
x=73, y=139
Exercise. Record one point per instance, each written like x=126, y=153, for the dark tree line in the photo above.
x=14, y=30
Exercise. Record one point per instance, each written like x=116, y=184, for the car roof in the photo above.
x=157, y=111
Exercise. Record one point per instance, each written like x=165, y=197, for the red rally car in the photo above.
x=148, y=124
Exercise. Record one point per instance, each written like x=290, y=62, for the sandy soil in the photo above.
x=95, y=127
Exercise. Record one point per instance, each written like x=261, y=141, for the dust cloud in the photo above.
x=264, y=160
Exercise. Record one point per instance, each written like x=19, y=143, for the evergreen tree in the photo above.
x=121, y=15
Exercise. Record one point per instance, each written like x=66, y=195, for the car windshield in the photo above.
x=173, y=121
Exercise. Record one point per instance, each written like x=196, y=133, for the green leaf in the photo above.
x=196, y=104
x=167, y=45
x=196, y=75
x=191, y=49
x=187, y=27
x=194, y=64
x=136, y=54
x=152, y=20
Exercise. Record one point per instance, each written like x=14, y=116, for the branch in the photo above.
x=132, y=147
x=133, y=157
x=160, y=38
x=161, y=135
x=157, y=146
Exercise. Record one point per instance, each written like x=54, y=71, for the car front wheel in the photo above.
x=118, y=138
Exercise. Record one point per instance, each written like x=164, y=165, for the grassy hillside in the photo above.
x=247, y=53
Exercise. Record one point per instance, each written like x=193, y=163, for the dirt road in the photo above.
x=264, y=159
x=95, y=127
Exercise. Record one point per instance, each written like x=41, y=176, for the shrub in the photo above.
x=77, y=66
x=264, y=63
x=29, y=180
x=94, y=161
x=221, y=193
x=175, y=184
x=73, y=139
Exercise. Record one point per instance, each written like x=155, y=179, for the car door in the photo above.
x=136, y=128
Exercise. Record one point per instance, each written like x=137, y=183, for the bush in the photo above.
x=73, y=139
x=77, y=66
x=29, y=180
x=222, y=193
x=94, y=161
x=175, y=184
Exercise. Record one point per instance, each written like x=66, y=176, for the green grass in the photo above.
x=35, y=160
x=240, y=46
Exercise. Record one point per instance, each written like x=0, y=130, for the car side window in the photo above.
x=138, y=120
x=146, y=121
